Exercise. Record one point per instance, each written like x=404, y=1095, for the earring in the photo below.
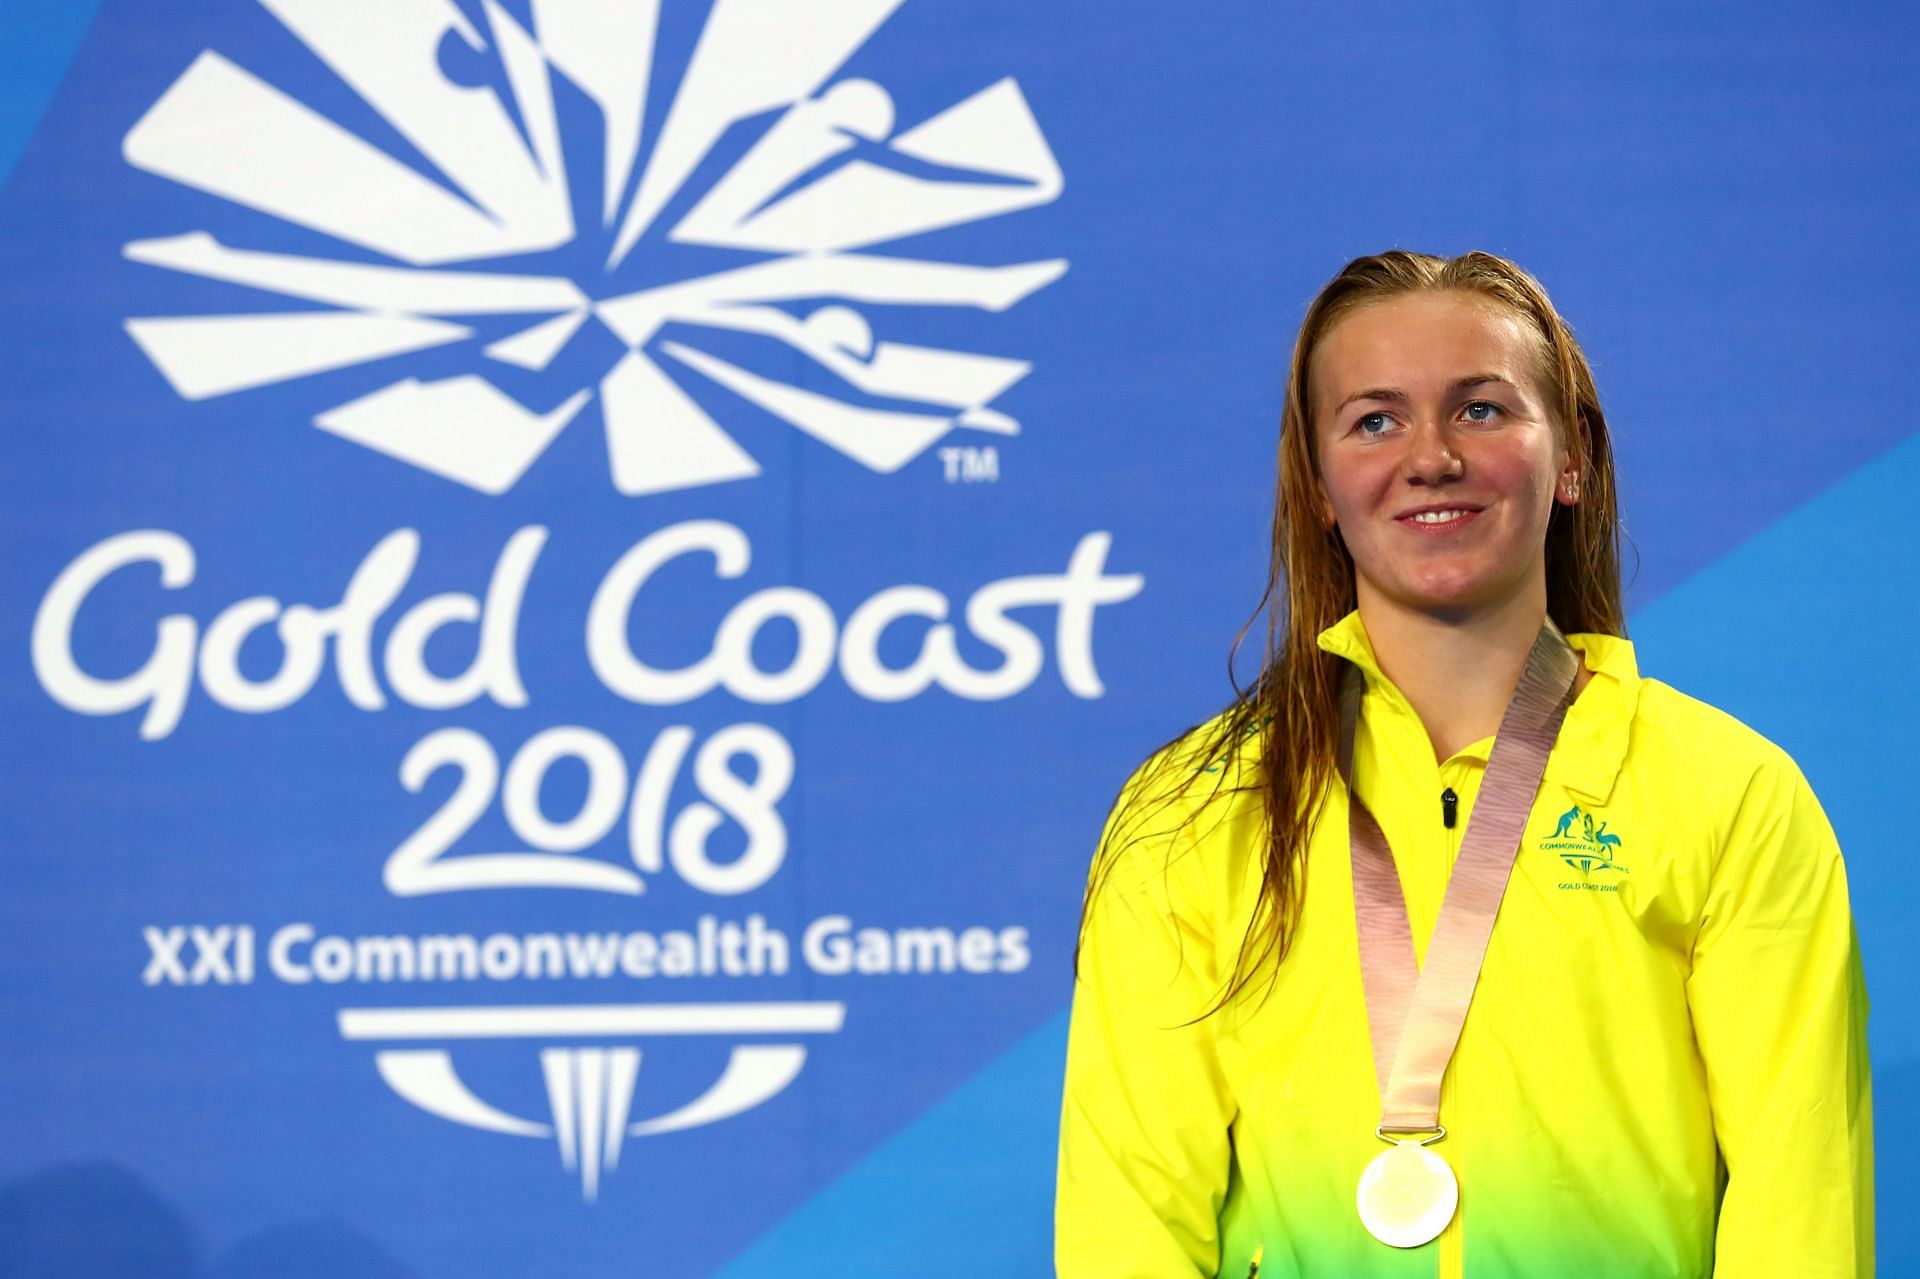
x=1573, y=491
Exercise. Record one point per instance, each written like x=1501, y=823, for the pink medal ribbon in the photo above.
x=1408, y=1194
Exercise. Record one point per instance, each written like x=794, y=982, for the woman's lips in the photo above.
x=1439, y=519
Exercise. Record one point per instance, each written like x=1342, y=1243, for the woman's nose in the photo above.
x=1431, y=458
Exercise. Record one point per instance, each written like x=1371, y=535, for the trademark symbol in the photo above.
x=966, y=465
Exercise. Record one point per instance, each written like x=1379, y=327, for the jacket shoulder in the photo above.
x=1718, y=759
x=1667, y=717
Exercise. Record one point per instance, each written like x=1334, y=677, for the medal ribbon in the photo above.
x=1415, y=1013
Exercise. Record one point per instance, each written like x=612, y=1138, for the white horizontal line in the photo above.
x=548, y=1021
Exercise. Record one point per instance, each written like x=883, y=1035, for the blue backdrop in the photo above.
x=579, y=575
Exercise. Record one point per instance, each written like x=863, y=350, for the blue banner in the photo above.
x=581, y=573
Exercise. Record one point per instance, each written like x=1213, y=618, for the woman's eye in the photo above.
x=1373, y=424
x=1474, y=415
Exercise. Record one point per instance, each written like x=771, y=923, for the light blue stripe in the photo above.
x=38, y=39
x=965, y=1189
x=1807, y=633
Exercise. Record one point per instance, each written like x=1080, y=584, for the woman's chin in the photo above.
x=1452, y=597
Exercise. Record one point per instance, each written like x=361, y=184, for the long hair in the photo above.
x=1292, y=707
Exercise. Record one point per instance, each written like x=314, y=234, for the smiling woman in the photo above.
x=1470, y=466
x=1333, y=1016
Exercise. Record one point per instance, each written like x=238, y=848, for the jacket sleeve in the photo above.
x=1780, y=1014
x=1144, y=1146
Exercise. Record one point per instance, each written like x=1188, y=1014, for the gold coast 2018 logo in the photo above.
x=1585, y=846
x=512, y=198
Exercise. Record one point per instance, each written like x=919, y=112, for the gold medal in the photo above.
x=1415, y=1011
x=1407, y=1195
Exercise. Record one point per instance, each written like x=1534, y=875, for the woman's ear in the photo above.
x=1568, y=492
x=1572, y=467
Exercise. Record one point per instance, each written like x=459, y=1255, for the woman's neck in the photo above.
x=1459, y=672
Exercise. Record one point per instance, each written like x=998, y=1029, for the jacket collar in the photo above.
x=1592, y=744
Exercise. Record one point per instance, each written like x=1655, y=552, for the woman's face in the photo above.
x=1439, y=461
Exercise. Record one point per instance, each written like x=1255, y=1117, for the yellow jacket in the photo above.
x=1663, y=1071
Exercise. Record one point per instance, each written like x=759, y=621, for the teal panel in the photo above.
x=1806, y=633
x=965, y=1189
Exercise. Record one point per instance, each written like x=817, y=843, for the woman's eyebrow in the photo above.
x=1397, y=396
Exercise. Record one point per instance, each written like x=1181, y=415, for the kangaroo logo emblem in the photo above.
x=1583, y=845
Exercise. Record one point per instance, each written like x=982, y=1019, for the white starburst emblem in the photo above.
x=827, y=175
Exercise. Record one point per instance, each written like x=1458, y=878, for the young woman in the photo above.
x=1640, y=1046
